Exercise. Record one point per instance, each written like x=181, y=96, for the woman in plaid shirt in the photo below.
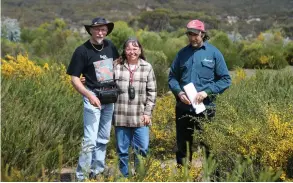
x=133, y=110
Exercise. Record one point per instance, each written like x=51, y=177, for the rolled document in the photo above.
x=191, y=93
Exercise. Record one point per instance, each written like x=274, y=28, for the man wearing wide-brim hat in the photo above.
x=99, y=22
x=94, y=60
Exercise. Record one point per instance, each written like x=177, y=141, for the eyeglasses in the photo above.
x=127, y=50
x=97, y=29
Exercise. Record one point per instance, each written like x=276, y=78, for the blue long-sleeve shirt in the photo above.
x=205, y=67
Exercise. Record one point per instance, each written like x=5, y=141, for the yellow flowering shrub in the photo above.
x=278, y=36
x=277, y=145
x=260, y=37
x=154, y=170
x=163, y=125
x=61, y=71
x=254, y=120
x=239, y=75
x=281, y=140
x=46, y=67
x=20, y=67
x=158, y=172
x=264, y=59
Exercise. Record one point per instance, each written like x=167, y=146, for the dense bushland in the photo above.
x=251, y=136
x=42, y=127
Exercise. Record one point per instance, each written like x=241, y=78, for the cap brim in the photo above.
x=196, y=31
x=110, y=26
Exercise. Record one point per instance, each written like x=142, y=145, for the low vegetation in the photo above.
x=251, y=137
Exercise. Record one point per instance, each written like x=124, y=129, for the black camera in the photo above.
x=131, y=92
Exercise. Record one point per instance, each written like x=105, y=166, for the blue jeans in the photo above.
x=97, y=127
x=126, y=136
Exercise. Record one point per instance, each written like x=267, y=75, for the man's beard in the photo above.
x=196, y=45
x=99, y=40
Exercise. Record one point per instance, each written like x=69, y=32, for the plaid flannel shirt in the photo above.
x=129, y=112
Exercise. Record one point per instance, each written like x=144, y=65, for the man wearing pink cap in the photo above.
x=203, y=65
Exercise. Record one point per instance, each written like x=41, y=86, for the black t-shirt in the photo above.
x=95, y=65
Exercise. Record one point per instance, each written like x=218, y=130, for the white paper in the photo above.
x=191, y=93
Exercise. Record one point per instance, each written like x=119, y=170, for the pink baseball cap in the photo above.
x=195, y=26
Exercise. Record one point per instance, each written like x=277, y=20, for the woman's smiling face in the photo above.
x=132, y=51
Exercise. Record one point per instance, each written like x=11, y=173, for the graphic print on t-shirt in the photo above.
x=104, y=69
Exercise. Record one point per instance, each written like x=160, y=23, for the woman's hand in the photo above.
x=146, y=119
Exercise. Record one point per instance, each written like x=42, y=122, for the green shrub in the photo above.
x=53, y=41
x=171, y=47
x=289, y=53
x=163, y=134
x=11, y=48
x=156, y=20
x=275, y=53
x=267, y=51
x=250, y=54
x=254, y=120
x=160, y=66
x=229, y=49
x=120, y=34
x=149, y=40
x=41, y=118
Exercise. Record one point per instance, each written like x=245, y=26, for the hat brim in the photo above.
x=110, y=26
x=196, y=31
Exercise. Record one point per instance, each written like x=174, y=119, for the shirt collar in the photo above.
x=141, y=62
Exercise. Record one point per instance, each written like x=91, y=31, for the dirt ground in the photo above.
x=250, y=72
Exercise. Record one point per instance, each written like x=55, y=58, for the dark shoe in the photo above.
x=92, y=176
x=109, y=171
x=179, y=166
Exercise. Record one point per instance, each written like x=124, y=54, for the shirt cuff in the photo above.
x=208, y=91
x=177, y=92
x=147, y=112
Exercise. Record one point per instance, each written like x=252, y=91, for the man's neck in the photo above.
x=93, y=41
x=197, y=46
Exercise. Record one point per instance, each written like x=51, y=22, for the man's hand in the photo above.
x=76, y=82
x=82, y=80
x=200, y=96
x=94, y=101
x=182, y=96
x=146, y=119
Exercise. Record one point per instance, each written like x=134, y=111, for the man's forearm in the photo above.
x=77, y=84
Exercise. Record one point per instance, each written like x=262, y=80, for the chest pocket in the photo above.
x=207, y=69
x=140, y=84
x=123, y=83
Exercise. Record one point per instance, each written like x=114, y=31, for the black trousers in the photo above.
x=186, y=123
